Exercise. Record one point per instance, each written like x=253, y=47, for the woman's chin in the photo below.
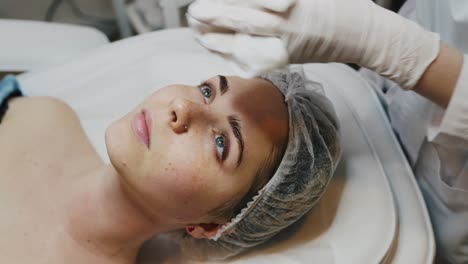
x=122, y=149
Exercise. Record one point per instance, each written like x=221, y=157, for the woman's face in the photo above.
x=187, y=150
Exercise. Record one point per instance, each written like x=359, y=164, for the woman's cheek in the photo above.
x=193, y=182
x=186, y=188
x=185, y=175
x=187, y=171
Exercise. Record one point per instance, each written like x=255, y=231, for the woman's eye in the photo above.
x=220, y=146
x=206, y=92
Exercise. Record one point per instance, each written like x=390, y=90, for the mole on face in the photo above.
x=169, y=167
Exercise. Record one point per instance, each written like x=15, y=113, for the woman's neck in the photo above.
x=101, y=217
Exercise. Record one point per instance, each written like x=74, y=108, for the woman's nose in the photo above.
x=182, y=112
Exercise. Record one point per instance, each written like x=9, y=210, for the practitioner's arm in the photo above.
x=440, y=78
x=356, y=31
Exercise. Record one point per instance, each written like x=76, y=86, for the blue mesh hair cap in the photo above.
x=310, y=159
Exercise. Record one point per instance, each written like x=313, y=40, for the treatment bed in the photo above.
x=372, y=212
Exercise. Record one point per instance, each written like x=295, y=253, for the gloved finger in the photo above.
x=240, y=19
x=197, y=25
x=204, y=27
x=218, y=42
x=273, y=5
x=253, y=54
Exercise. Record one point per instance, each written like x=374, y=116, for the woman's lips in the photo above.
x=141, y=126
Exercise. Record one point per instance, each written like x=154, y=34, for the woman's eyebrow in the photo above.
x=223, y=84
x=234, y=122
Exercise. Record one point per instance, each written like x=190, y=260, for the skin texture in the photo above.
x=182, y=171
x=55, y=189
x=181, y=177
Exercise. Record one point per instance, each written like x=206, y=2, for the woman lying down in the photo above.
x=222, y=167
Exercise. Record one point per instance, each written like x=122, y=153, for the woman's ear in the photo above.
x=203, y=230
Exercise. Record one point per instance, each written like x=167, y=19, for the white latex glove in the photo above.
x=250, y=55
x=354, y=31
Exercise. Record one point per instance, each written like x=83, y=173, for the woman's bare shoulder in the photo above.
x=39, y=105
x=40, y=112
x=43, y=123
x=40, y=118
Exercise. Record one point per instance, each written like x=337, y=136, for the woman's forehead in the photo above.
x=261, y=107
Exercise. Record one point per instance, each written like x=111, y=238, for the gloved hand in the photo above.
x=356, y=31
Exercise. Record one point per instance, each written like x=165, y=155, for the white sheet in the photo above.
x=355, y=222
x=31, y=45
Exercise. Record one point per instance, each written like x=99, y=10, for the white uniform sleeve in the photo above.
x=451, y=127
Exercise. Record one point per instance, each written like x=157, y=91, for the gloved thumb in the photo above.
x=251, y=54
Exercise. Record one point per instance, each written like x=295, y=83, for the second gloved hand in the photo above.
x=355, y=31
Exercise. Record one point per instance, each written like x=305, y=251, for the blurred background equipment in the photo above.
x=149, y=15
x=92, y=13
x=117, y=19
x=90, y=20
